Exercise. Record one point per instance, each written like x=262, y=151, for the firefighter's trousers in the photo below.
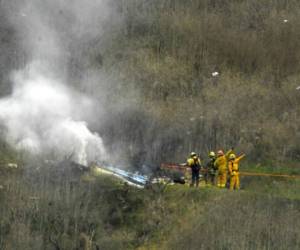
x=222, y=177
x=195, y=177
x=235, y=181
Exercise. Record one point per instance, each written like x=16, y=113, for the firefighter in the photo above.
x=221, y=165
x=233, y=170
x=210, y=169
x=195, y=164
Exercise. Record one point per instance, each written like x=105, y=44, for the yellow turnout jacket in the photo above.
x=221, y=162
x=233, y=165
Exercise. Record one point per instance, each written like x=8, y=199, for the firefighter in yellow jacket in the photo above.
x=221, y=165
x=233, y=170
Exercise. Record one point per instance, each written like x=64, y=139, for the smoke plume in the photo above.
x=44, y=114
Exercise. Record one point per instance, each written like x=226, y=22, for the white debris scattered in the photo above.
x=12, y=165
x=298, y=88
x=285, y=20
x=214, y=74
x=192, y=119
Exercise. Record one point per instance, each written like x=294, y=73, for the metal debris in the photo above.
x=215, y=74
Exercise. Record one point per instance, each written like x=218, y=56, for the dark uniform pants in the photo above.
x=195, y=177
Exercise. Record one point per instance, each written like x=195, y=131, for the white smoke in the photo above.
x=43, y=115
x=39, y=117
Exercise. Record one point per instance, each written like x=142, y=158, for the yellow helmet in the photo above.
x=212, y=154
x=193, y=154
x=232, y=156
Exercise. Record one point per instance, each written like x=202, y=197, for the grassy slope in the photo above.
x=263, y=215
x=259, y=217
x=41, y=212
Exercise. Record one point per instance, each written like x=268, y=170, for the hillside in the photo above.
x=99, y=212
x=164, y=56
x=133, y=84
x=149, y=67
